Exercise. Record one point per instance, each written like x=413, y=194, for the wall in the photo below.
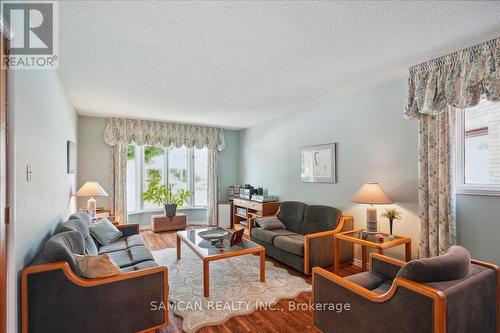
x=478, y=226
x=375, y=143
x=42, y=119
x=94, y=163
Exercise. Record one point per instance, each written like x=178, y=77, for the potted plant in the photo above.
x=391, y=214
x=159, y=194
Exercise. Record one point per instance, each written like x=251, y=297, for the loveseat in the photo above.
x=307, y=240
x=449, y=293
x=55, y=298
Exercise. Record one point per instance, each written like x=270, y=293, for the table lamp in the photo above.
x=91, y=189
x=371, y=193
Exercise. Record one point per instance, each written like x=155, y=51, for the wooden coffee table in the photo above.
x=354, y=237
x=209, y=253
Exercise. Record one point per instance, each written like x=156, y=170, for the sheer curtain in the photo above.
x=435, y=89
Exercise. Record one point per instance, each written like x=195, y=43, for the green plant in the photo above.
x=151, y=152
x=391, y=214
x=131, y=153
x=159, y=193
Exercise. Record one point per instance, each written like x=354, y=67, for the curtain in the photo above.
x=213, y=155
x=458, y=80
x=436, y=156
x=119, y=179
x=119, y=132
x=435, y=89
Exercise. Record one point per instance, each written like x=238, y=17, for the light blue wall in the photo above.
x=478, y=226
x=374, y=141
x=41, y=119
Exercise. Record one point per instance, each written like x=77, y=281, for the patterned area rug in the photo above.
x=235, y=288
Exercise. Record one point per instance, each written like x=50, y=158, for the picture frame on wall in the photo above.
x=319, y=163
x=70, y=157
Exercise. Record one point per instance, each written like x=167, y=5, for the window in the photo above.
x=181, y=167
x=478, y=149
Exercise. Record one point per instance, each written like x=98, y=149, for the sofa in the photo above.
x=55, y=298
x=448, y=293
x=307, y=240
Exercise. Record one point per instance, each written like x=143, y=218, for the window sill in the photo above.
x=159, y=210
x=485, y=190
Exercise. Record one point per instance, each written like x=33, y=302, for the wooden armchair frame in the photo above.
x=343, y=220
x=437, y=296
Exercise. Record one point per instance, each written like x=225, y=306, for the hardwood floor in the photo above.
x=279, y=320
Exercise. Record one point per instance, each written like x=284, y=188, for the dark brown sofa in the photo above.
x=56, y=299
x=307, y=240
x=440, y=294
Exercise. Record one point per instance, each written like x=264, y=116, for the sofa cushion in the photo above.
x=292, y=215
x=61, y=247
x=85, y=217
x=141, y=265
x=105, y=232
x=319, y=218
x=268, y=236
x=122, y=243
x=82, y=227
x=270, y=223
x=131, y=256
x=383, y=288
x=369, y=280
x=293, y=244
x=453, y=265
x=99, y=266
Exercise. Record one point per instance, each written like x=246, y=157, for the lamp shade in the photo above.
x=371, y=193
x=91, y=189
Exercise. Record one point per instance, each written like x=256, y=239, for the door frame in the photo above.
x=4, y=187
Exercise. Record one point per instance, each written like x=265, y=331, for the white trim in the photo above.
x=461, y=187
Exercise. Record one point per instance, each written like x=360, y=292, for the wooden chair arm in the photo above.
x=128, y=226
x=307, y=239
x=386, y=259
x=82, y=282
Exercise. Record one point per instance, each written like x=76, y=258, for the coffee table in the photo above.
x=208, y=252
x=371, y=241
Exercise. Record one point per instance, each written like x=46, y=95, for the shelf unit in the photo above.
x=254, y=209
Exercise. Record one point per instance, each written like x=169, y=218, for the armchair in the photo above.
x=393, y=297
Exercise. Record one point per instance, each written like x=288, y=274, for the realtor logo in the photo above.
x=33, y=31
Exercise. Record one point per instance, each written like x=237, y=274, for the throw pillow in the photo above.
x=270, y=223
x=92, y=267
x=104, y=231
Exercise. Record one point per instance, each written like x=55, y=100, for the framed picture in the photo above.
x=318, y=163
x=70, y=157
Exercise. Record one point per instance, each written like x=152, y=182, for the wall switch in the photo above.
x=28, y=172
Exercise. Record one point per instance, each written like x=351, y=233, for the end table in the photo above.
x=354, y=237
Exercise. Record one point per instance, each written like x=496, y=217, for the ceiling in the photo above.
x=235, y=64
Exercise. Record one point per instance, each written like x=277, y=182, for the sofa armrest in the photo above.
x=386, y=266
x=55, y=299
x=381, y=312
x=321, y=244
x=128, y=229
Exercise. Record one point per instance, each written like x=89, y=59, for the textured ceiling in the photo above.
x=235, y=64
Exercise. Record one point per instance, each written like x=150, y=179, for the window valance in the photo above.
x=125, y=131
x=458, y=80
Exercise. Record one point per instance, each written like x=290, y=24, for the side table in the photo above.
x=354, y=237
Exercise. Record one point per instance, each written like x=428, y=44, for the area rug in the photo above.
x=235, y=288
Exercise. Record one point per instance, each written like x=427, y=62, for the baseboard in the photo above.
x=358, y=263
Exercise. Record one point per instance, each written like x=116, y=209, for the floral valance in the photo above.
x=125, y=131
x=458, y=79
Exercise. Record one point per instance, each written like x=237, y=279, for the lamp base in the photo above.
x=91, y=207
x=371, y=220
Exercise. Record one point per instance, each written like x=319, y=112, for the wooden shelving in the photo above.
x=254, y=209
